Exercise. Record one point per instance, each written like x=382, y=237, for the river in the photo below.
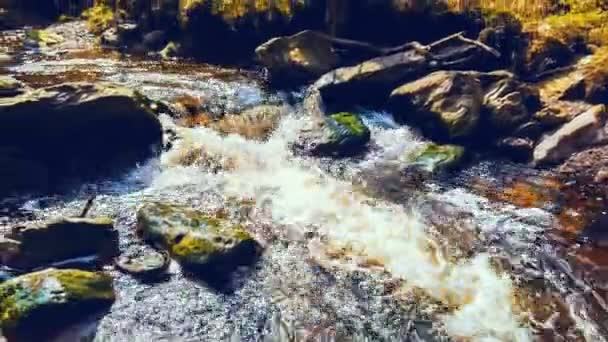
x=354, y=250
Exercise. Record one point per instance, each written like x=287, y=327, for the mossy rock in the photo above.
x=43, y=37
x=435, y=158
x=10, y=86
x=35, y=305
x=197, y=241
x=42, y=244
x=345, y=134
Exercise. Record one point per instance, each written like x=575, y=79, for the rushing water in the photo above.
x=351, y=250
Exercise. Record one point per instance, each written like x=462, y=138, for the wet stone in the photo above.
x=144, y=264
x=55, y=241
x=35, y=305
x=199, y=242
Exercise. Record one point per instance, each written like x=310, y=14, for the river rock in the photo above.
x=585, y=130
x=590, y=164
x=374, y=79
x=155, y=40
x=197, y=241
x=38, y=245
x=434, y=158
x=546, y=54
x=443, y=104
x=589, y=81
x=36, y=305
x=516, y=148
x=78, y=129
x=147, y=264
x=558, y=113
x=301, y=57
x=509, y=103
x=341, y=134
x=255, y=123
x=452, y=105
x=10, y=86
x=5, y=59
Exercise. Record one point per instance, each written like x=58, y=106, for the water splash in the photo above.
x=299, y=194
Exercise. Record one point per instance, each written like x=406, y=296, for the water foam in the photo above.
x=301, y=195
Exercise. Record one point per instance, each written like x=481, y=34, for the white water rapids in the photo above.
x=299, y=194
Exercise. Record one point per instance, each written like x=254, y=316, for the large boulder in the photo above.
x=374, y=79
x=199, y=242
x=452, y=105
x=508, y=103
x=75, y=129
x=298, y=58
x=36, y=305
x=443, y=104
x=585, y=130
x=42, y=244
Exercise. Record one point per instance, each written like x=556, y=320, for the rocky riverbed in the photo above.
x=409, y=194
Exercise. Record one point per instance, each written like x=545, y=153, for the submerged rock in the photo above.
x=40, y=245
x=342, y=134
x=434, y=158
x=301, y=57
x=148, y=264
x=256, y=123
x=197, y=241
x=36, y=305
x=444, y=104
x=585, y=130
x=77, y=129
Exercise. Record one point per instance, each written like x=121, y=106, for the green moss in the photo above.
x=350, y=121
x=44, y=37
x=191, y=248
x=433, y=157
x=20, y=297
x=190, y=236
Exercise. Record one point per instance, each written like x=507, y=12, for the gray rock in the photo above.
x=42, y=244
x=585, y=130
x=444, y=103
x=303, y=56
x=76, y=129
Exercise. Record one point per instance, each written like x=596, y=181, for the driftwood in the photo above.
x=342, y=43
x=87, y=206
